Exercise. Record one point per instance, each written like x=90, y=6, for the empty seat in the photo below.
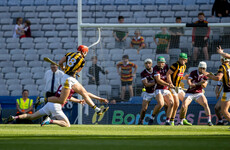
x=3, y=51
x=17, y=57
x=16, y=51
x=6, y=63
x=44, y=51
x=13, y=45
x=12, y=81
x=25, y=75
x=46, y=21
x=29, y=8
x=51, y=33
x=60, y=21
x=215, y=57
x=30, y=51
x=58, y=15
x=37, y=69
x=92, y=89
x=27, y=3
x=27, y=45
x=34, y=92
x=35, y=63
x=64, y=34
x=55, y=8
x=12, y=40
x=23, y=69
x=20, y=63
x=105, y=88
x=44, y=15
x=41, y=82
x=31, y=57
x=11, y=75
x=55, y=45
x=32, y=87
x=8, y=69
x=40, y=40
x=161, y=2
x=41, y=45
x=38, y=75
x=16, y=92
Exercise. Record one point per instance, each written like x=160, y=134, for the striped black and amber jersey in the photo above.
x=225, y=69
x=74, y=61
x=178, y=73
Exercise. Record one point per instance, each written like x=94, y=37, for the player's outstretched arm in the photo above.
x=98, y=98
x=159, y=81
x=75, y=100
x=148, y=84
x=221, y=52
x=168, y=75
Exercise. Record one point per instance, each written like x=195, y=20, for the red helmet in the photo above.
x=83, y=49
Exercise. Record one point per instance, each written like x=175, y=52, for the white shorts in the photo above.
x=68, y=81
x=193, y=96
x=225, y=96
x=55, y=110
x=163, y=92
x=148, y=96
x=175, y=93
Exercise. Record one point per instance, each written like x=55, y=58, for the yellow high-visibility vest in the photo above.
x=24, y=104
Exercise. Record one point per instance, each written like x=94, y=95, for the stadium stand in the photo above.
x=54, y=32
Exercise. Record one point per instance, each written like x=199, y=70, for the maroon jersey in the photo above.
x=58, y=93
x=145, y=74
x=162, y=72
x=196, y=78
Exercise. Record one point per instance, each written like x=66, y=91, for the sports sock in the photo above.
x=15, y=117
x=172, y=119
x=182, y=120
x=51, y=121
x=209, y=118
x=96, y=108
x=152, y=117
x=221, y=121
x=167, y=120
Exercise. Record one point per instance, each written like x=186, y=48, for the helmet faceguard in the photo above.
x=83, y=49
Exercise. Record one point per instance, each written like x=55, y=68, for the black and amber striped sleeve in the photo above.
x=221, y=69
x=173, y=67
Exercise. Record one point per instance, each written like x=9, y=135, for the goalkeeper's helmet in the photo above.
x=83, y=49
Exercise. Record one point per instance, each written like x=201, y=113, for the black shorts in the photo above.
x=200, y=42
x=124, y=83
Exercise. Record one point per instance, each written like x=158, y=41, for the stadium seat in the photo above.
x=51, y=33
x=34, y=92
x=12, y=81
x=91, y=89
x=17, y=57
x=46, y=55
x=48, y=27
x=199, y=2
x=41, y=82
x=11, y=75
x=98, y=14
x=181, y=14
x=25, y=75
x=8, y=69
x=192, y=8
x=61, y=21
x=44, y=51
x=20, y=63
x=46, y=21
x=27, y=45
x=3, y=3
x=35, y=64
x=69, y=8
x=23, y=69
x=167, y=14
x=16, y=92
x=215, y=57
x=64, y=34
x=5, y=63
x=16, y=51
x=13, y=45
x=41, y=45
x=53, y=2
x=105, y=88
x=31, y=57
x=213, y=20
x=169, y=20
x=38, y=33
x=137, y=8
x=175, y=2
x=70, y=45
x=38, y=75
x=188, y=2
x=40, y=2
x=9, y=28
x=156, y=20
x=67, y=2
x=40, y=40
x=5, y=15
x=123, y=8
x=55, y=8
x=3, y=51
x=70, y=15
x=205, y=8
x=13, y=3
x=2, y=45
x=164, y=7
x=58, y=15
x=27, y=2
x=161, y=2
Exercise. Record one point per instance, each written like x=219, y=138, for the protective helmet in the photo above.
x=83, y=49
x=224, y=59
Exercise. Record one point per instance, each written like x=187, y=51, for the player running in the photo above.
x=223, y=73
x=74, y=64
x=147, y=78
x=163, y=95
x=196, y=81
x=174, y=76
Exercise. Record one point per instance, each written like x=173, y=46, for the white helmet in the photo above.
x=202, y=64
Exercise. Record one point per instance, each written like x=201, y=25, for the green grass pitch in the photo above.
x=114, y=137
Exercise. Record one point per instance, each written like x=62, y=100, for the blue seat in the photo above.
x=161, y=2
x=121, y=2
x=40, y=2
x=27, y=3
x=107, y=2
x=134, y=2
x=53, y=2
x=188, y=2
x=3, y=2
x=13, y=3
x=94, y=2
x=67, y=2
x=148, y=2
x=173, y=2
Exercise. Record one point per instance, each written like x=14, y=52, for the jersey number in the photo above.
x=71, y=61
